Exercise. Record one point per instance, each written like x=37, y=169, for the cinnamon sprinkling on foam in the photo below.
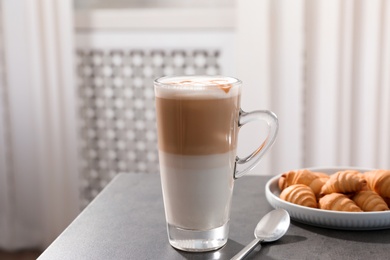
x=186, y=82
x=226, y=88
x=222, y=85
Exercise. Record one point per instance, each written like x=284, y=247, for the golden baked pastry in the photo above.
x=322, y=175
x=338, y=202
x=387, y=200
x=317, y=185
x=314, y=180
x=369, y=200
x=379, y=181
x=299, y=194
x=344, y=182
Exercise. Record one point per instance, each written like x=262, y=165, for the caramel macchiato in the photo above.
x=197, y=130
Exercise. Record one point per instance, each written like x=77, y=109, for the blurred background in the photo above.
x=77, y=101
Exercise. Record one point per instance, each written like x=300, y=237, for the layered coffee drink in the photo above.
x=198, y=118
x=197, y=121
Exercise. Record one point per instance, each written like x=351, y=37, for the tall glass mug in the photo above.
x=198, y=118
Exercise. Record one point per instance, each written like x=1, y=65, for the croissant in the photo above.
x=387, y=200
x=370, y=201
x=379, y=181
x=315, y=180
x=338, y=202
x=299, y=194
x=322, y=175
x=344, y=182
x=317, y=185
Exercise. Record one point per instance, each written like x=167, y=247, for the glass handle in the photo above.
x=253, y=159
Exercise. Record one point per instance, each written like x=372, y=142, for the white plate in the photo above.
x=328, y=218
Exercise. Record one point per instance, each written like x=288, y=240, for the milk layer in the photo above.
x=197, y=189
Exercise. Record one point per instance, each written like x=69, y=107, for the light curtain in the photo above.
x=323, y=67
x=347, y=83
x=38, y=169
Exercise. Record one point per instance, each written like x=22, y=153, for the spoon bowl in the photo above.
x=270, y=228
x=273, y=225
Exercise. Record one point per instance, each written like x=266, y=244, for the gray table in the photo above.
x=126, y=221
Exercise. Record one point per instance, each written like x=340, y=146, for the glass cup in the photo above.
x=198, y=119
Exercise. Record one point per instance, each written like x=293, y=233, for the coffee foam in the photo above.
x=194, y=87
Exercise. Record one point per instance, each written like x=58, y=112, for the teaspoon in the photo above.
x=270, y=228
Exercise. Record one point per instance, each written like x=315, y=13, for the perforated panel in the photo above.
x=117, y=117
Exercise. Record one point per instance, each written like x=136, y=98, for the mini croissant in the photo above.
x=344, y=182
x=314, y=180
x=369, y=200
x=299, y=194
x=387, y=200
x=338, y=202
x=379, y=181
x=317, y=185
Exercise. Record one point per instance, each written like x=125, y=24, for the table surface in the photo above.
x=126, y=221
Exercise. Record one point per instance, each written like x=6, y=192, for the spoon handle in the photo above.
x=246, y=250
